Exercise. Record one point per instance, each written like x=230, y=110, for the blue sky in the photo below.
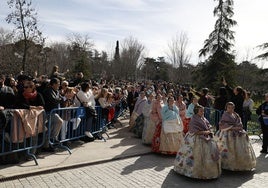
x=153, y=22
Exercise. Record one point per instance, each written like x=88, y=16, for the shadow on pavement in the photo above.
x=227, y=179
x=149, y=162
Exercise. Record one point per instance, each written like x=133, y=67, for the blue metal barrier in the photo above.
x=213, y=116
x=100, y=125
x=122, y=109
x=25, y=131
x=73, y=125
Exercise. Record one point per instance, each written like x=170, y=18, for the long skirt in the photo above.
x=148, y=130
x=198, y=158
x=166, y=143
x=236, y=151
x=139, y=124
x=132, y=119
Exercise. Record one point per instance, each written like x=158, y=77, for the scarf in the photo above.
x=29, y=96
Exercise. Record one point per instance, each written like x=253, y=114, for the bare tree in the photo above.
x=177, y=50
x=131, y=57
x=177, y=54
x=83, y=41
x=81, y=53
x=58, y=55
x=6, y=51
x=24, y=17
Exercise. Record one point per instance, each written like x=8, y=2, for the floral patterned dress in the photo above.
x=199, y=156
x=237, y=153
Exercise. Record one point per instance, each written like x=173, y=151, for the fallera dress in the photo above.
x=167, y=140
x=149, y=125
x=237, y=153
x=199, y=157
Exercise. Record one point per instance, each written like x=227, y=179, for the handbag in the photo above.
x=172, y=126
x=90, y=111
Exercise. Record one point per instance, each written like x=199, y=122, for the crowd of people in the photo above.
x=55, y=92
x=174, y=123
x=173, y=120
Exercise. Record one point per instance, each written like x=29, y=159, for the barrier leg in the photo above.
x=100, y=136
x=65, y=148
x=32, y=156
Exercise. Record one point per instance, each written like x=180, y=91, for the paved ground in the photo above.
x=110, y=164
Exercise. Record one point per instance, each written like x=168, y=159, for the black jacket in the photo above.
x=52, y=99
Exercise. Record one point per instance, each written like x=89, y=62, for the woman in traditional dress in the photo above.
x=156, y=117
x=169, y=136
x=149, y=125
x=182, y=112
x=236, y=151
x=199, y=157
x=189, y=114
x=137, y=109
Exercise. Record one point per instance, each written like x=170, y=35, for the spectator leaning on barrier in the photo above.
x=68, y=101
x=30, y=98
x=85, y=98
x=52, y=100
x=262, y=111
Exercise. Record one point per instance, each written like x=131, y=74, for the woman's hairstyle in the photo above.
x=110, y=95
x=64, y=83
x=240, y=91
x=169, y=98
x=197, y=107
x=55, y=68
x=229, y=104
x=205, y=91
x=222, y=91
x=84, y=86
x=54, y=81
x=70, y=90
x=103, y=92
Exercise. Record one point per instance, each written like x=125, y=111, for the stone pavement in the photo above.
x=109, y=164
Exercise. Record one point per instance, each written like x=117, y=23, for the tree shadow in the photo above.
x=149, y=162
x=228, y=179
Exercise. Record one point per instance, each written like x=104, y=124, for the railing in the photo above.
x=213, y=116
x=20, y=135
x=25, y=131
